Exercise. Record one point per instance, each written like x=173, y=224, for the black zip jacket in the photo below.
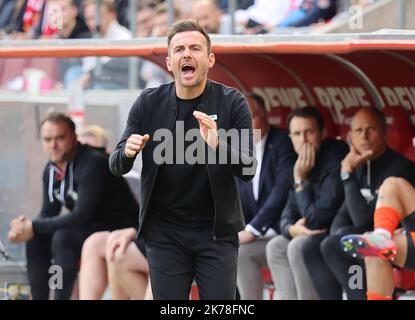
x=321, y=198
x=156, y=108
x=94, y=197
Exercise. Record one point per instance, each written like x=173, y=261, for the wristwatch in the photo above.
x=299, y=183
x=344, y=175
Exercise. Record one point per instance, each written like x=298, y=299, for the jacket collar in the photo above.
x=204, y=103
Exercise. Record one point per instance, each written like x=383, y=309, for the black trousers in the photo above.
x=340, y=264
x=62, y=249
x=177, y=255
x=324, y=280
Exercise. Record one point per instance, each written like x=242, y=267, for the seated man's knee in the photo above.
x=295, y=247
x=309, y=248
x=330, y=246
x=118, y=261
x=276, y=246
x=392, y=185
x=95, y=243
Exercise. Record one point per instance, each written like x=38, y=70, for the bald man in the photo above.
x=367, y=165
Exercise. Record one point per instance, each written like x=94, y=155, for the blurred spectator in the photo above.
x=161, y=20
x=262, y=15
x=209, y=16
x=183, y=7
x=6, y=10
x=152, y=74
x=28, y=19
x=109, y=27
x=316, y=11
x=121, y=7
x=240, y=4
x=15, y=16
x=95, y=136
x=113, y=73
x=144, y=18
x=73, y=26
x=296, y=13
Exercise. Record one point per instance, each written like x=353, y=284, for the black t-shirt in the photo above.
x=182, y=194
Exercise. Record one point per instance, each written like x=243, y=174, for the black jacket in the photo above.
x=156, y=108
x=274, y=183
x=356, y=214
x=95, y=198
x=320, y=200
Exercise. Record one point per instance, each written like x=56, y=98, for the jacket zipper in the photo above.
x=213, y=195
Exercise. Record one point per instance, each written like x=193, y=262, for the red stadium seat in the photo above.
x=329, y=124
x=278, y=117
x=268, y=283
x=404, y=278
x=400, y=132
x=410, y=153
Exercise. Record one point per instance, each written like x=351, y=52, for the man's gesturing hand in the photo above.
x=135, y=143
x=208, y=129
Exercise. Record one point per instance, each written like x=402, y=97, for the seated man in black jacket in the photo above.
x=395, y=205
x=363, y=170
x=311, y=205
x=263, y=199
x=77, y=177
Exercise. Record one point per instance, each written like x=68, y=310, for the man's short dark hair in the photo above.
x=185, y=26
x=308, y=112
x=259, y=101
x=59, y=117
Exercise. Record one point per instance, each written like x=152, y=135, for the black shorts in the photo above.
x=410, y=255
x=140, y=245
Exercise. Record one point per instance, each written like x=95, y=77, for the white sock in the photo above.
x=384, y=232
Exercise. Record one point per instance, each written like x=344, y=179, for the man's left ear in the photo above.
x=211, y=59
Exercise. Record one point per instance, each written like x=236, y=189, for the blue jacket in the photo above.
x=274, y=183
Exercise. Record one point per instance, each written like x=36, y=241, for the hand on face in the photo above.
x=355, y=159
x=305, y=161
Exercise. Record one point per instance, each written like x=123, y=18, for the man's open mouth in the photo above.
x=188, y=69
